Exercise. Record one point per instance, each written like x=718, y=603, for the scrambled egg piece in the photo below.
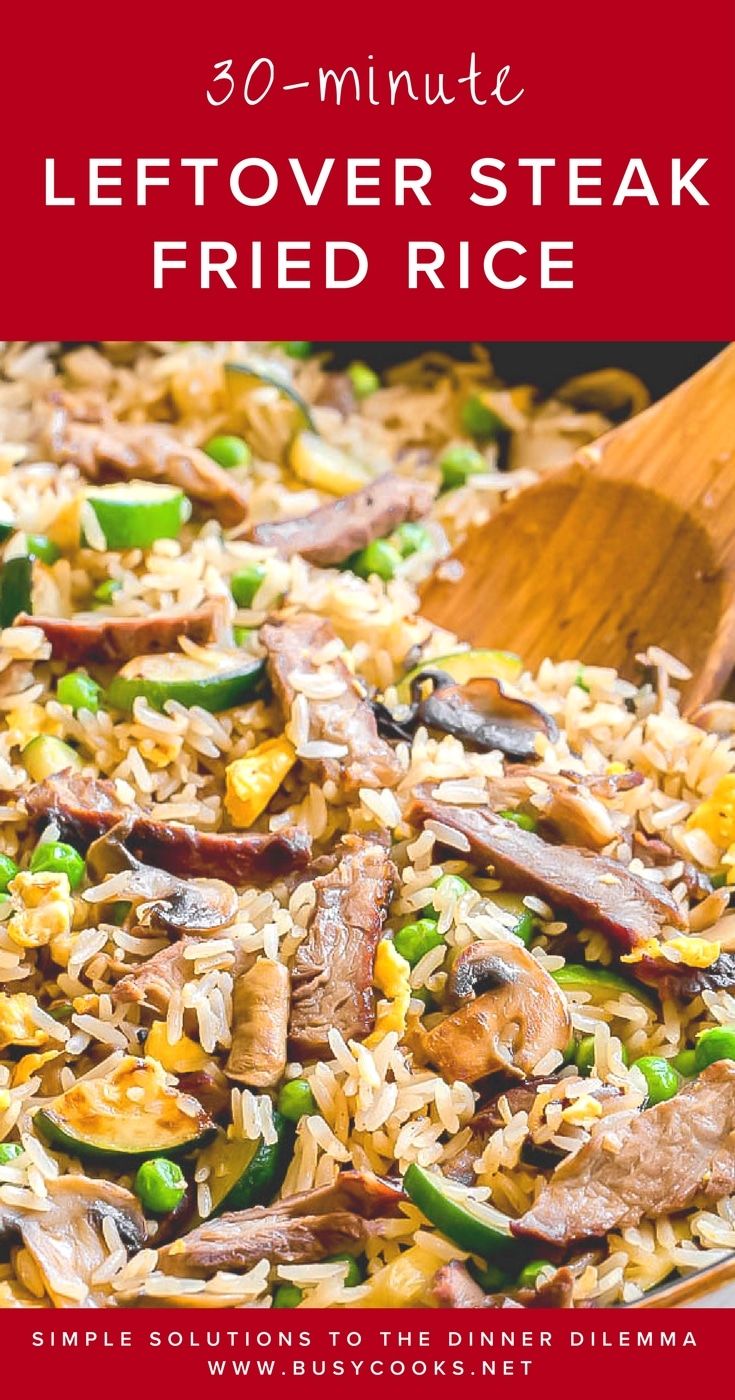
x=694, y=952
x=31, y=1064
x=404, y=1283
x=582, y=1111
x=183, y=1057
x=716, y=815
x=392, y=977
x=252, y=781
x=28, y=720
x=43, y=908
x=17, y=1026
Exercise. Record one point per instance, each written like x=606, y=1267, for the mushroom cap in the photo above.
x=509, y=1014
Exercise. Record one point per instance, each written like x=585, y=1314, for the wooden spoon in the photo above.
x=632, y=544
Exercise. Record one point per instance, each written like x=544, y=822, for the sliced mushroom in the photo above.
x=164, y=902
x=66, y=1242
x=510, y=1014
x=260, y=1025
x=577, y=816
x=483, y=714
x=615, y=392
x=717, y=717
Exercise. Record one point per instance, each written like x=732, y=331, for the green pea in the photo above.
x=364, y=380
x=452, y=885
x=41, y=547
x=354, y=1273
x=105, y=591
x=296, y=1099
x=718, y=1043
x=228, y=451
x=479, y=419
x=9, y=1150
x=287, y=1295
x=245, y=584
x=521, y=819
x=79, y=692
x=412, y=538
x=8, y=872
x=379, y=557
x=159, y=1185
x=242, y=635
x=296, y=349
x=414, y=940
x=530, y=1272
x=56, y=856
x=661, y=1078
x=685, y=1063
x=460, y=462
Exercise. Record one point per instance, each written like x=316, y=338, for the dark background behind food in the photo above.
x=660, y=364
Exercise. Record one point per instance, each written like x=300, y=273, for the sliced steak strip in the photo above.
x=153, y=982
x=643, y=1164
x=332, y=973
x=85, y=808
x=146, y=452
x=301, y=1229
x=111, y=640
x=454, y=1287
x=330, y=534
x=346, y=720
x=598, y=891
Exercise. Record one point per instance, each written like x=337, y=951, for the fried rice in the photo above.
x=378, y=1104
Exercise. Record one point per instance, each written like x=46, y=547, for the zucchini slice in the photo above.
x=525, y=919
x=45, y=755
x=246, y=1172
x=134, y=514
x=320, y=464
x=600, y=982
x=472, y=1225
x=7, y=521
x=98, y=1118
x=16, y=584
x=231, y=679
x=242, y=376
x=465, y=666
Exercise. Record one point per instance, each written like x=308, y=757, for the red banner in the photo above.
x=502, y=171
x=325, y=1353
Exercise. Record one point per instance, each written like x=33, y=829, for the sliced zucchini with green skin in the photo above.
x=465, y=666
x=233, y=678
x=245, y=1173
x=525, y=919
x=470, y=1224
x=16, y=584
x=98, y=1118
x=45, y=755
x=134, y=514
x=599, y=982
x=266, y=373
x=7, y=521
